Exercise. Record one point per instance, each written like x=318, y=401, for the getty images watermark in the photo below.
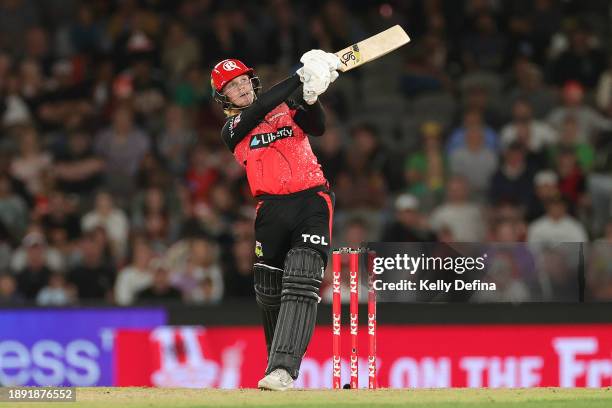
x=403, y=263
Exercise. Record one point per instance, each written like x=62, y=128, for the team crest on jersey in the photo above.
x=258, y=249
x=264, y=139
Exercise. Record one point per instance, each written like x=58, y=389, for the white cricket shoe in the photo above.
x=277, y=380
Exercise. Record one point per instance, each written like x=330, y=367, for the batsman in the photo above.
x=267, y=133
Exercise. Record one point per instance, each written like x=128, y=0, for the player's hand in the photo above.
x=318, y=72
x=332, y=61
x=314, y=71
x=316, y=78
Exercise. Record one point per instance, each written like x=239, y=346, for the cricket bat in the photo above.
x=372, y=48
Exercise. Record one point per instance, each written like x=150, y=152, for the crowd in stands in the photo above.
x=493, y=125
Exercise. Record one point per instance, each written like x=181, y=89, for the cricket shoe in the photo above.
x=277, y=380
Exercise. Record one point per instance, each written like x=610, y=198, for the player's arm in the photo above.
x=310, y=118
x=235, y=130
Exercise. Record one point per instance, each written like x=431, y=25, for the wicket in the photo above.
x=354, y=319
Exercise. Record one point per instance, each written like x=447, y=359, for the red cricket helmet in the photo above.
x=226, y=70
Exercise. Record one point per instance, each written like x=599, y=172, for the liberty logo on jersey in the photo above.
x=264, y=139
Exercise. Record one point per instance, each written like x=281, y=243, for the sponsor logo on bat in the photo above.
x=351, y=55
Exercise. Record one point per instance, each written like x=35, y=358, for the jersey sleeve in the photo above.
x=310, y=118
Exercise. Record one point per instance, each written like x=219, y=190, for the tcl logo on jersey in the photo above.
x=264, y=139
x=314, y=239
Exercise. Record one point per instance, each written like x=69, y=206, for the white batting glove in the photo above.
x=310, y=97
x=332, y=61
x=316, y=78
x=313, y=69
x=318, y=72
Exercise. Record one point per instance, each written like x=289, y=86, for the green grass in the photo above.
x=430, y=398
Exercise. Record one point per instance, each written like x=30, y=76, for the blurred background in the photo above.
x=493, y=124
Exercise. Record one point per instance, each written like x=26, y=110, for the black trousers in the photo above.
x=299, y=219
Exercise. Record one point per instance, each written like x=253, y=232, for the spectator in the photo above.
x=176, y=140
x=362, y=184
x=15, y=18
x=599, y=267
x=9, y=296
x=408, y=224
x=484, y=48
x=238, y=272
x=513, y=181
x=424, y=170
x=194, y=90
x=114, y=221
x=590, y=122
x=478, y=97
x=546, y=188
x=5, y=248
x=462, y=218
x=424, y=70
x=13, y=210
x=472, y=120
x=65, y=101
x=475, y=162
x=136, y=276
x=57, y=293
x=330, y=153
x=161, y=289
x=35, y=273
x=581, y=62
x=122, y=147
x=556, y=226
x=33, y=246
x=572, y=182
x=148, y=96
x=31, y=162
x=282, y=38
x=85, y=33
x=555, y=272
x=202, y=174
x=61, y=218
x=529, y=86
x=569, y=139
x=604, y=91
x=93, y=276
x=180, y=51
x=201, y=264
x=541, y=135
x=77, y=169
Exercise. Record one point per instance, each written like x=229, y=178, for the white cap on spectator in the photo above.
x=406, y=202
x=546, y=177
x=16, y=112
x=34, y=238
x=139, y=42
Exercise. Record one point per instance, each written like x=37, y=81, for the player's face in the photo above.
x=239, y=91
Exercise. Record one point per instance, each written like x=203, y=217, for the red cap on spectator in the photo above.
x=227, y=70
x=573, y=90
